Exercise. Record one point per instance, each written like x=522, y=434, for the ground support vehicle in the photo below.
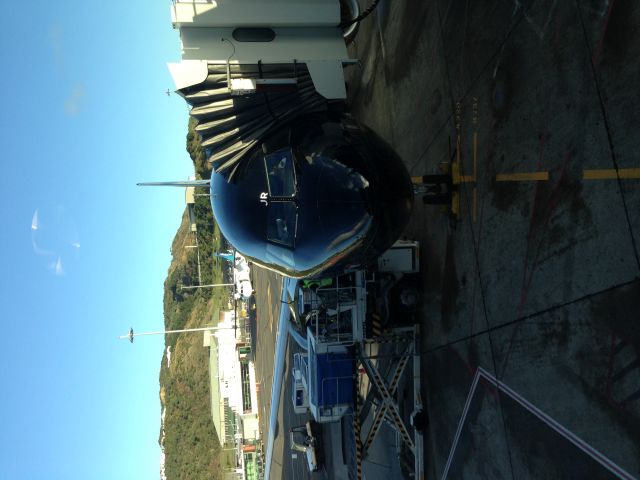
x=311, y=445
x=360, y=338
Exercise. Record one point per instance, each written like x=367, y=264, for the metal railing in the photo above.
x=337, y=405
x=332, y=311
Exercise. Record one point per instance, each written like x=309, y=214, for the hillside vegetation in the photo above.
x=191, y=446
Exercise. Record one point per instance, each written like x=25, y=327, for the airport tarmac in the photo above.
x=286, y=464
x=531, y=304
x=531, y=340
x=267, y=286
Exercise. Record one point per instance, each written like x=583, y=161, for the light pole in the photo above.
x=182, y=287
x=132, y=335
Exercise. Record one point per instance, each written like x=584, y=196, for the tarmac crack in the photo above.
x=531, y=316
x=607, y=127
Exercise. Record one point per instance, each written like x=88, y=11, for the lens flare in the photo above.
x=54, y=237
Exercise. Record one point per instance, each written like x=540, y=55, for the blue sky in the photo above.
x=84, y=118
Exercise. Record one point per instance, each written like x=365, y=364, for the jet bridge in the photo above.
x=249, y=32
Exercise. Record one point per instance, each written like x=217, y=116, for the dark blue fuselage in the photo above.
x=323, y=195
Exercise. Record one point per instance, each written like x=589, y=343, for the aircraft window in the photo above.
x=255, y=34
x=282, y=219
x=281, y=177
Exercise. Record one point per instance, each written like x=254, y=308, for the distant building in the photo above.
x=190, y=200
x=234, y=398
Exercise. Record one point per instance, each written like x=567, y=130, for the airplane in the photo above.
x=240, y=269
x=244, y=289
x=321, y=194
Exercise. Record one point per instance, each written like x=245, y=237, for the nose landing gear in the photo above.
x=440, y=189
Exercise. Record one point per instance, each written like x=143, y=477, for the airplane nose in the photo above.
x=342, y=206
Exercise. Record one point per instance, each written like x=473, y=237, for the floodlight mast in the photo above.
x=182, y=183
x=182, y=287
x=131, y=335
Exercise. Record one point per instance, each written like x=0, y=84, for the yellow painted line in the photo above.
x=475, y=153
x=522, y=177
x=455, y=204
x=475, y=203
x=612, y=174
x=467, y=178
x=455, y=173
x=269, y=303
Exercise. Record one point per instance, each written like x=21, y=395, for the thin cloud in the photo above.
x=54, y=37
x=34, y=220
x=59, y=271
x=35, y=226
x=54, y=237
x=41, y=251
x=73, y=104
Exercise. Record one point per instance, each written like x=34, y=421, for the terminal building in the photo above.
x=234, y=399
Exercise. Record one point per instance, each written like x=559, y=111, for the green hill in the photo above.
x=191, y=446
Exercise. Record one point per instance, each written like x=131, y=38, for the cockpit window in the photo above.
x=282, y=220
x=281, y=177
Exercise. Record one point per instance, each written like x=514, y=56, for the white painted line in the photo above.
x=465, y=410
x=383, y=48
x=603, y=460
x=566, y=433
